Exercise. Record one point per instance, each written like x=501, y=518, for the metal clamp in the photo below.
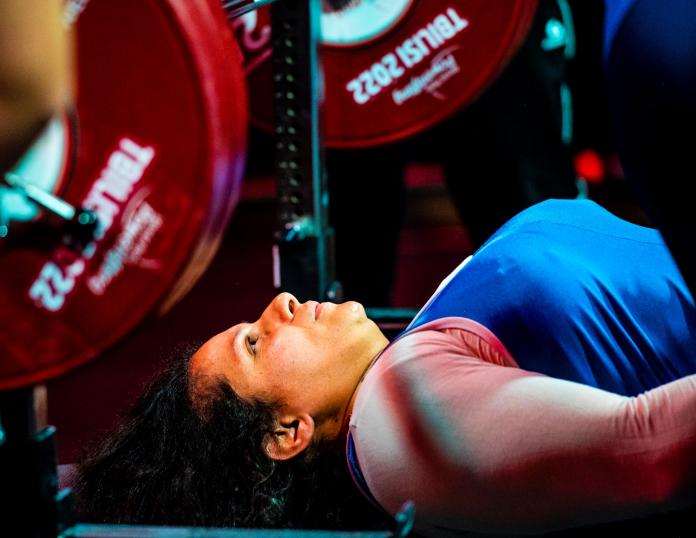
x=80, y=224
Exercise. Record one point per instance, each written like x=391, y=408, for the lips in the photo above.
x=317, y=311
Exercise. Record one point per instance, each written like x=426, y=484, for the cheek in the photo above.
x=287, y=367
x=295, y=353
x=284, y=354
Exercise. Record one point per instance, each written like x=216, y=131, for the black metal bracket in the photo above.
x=304, y=252
x=304, y=259
x=31, y=506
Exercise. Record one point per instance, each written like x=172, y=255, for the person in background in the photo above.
x=512, y=147
x=34, y=72
x=650, y=60
x=509, y=149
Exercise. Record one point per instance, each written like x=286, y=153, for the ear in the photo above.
x=292, y=435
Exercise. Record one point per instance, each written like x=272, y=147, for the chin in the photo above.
x=356, y=308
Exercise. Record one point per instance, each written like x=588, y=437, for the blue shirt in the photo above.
x=576, y=293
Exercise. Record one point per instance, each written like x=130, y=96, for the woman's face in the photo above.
x=308, y=356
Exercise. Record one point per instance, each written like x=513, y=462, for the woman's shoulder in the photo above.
x=433, y=351
x=403, y=413
x=452, y=335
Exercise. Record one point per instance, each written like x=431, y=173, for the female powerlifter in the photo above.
x=547, y=384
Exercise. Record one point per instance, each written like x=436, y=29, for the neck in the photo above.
x=380, y=345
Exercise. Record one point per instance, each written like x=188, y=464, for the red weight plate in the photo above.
x=158, y=146
x=393, y=68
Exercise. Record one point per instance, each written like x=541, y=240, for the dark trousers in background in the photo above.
x=511, y=148
x=503, y=153
x=367, y=197
x=651, y=76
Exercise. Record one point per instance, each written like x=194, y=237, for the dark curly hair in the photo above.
x=173, y=462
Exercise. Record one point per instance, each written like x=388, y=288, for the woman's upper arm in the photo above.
x=492, y=448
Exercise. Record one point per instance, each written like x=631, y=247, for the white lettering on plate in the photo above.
x=125, y=167
x=382, y=74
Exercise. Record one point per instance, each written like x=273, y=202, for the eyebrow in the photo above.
x=234, y=341
x=235, y=337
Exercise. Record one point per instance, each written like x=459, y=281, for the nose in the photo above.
x=280, y=310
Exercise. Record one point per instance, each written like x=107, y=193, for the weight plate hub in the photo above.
x=156, y=149
x=394, y=68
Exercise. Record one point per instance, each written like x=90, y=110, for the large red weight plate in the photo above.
x=157, y=151
x=393, y=68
